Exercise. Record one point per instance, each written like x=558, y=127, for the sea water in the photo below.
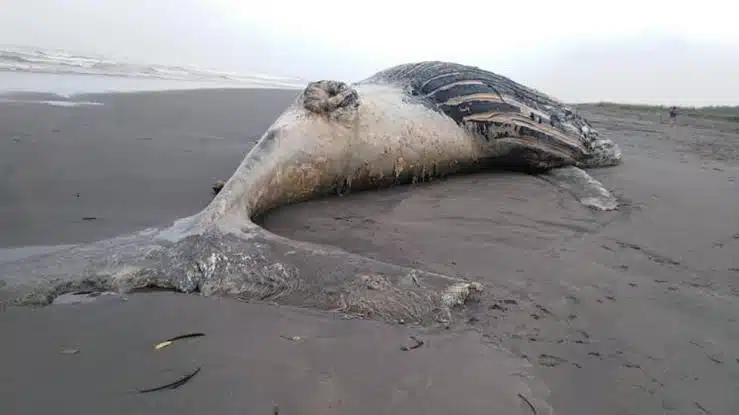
x=25, y=73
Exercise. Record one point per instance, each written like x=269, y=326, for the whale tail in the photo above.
x=249, y=264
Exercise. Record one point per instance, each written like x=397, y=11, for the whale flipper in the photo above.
x=589, y=191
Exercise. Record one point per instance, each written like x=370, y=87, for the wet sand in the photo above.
x=95, y=358
x=138, y=160
x=633, y=311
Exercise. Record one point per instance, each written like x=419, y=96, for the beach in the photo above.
x=630, y=311
x=134, y=161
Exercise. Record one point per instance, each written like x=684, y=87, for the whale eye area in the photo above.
x=325, y=97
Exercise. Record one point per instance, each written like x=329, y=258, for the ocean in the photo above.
x=25, y=70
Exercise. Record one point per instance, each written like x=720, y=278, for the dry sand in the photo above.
x=628, y=312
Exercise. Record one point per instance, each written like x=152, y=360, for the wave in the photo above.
x=35, y=60
x=52, y=102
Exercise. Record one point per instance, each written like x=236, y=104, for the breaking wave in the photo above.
x=35, y=60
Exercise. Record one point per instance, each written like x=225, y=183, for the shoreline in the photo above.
x=76, y=83
x=17, y=97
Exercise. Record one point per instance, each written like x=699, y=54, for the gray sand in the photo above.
x=252, y=357
x=139, y=160
x=619, y=312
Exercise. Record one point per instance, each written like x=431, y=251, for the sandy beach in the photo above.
x=626, y=312
x=139, y=160
x=95, y=358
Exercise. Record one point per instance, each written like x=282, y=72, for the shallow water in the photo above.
x=33, y=69
x=68, y=85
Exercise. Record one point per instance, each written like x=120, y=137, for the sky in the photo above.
x=640, y=51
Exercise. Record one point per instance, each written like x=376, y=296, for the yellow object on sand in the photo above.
x=162, y=345
x=173, y=339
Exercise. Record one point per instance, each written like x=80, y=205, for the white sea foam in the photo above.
x=52, y=102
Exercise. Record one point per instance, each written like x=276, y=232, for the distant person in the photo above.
x=673, y=115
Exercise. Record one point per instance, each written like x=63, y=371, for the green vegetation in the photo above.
x=718, y=113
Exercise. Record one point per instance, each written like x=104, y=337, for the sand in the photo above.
x=621, y=312
x=94, y=358
x=139, y=160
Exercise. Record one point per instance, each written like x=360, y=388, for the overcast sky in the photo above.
x=650, y=51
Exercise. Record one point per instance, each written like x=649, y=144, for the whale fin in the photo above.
x=589, y=191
